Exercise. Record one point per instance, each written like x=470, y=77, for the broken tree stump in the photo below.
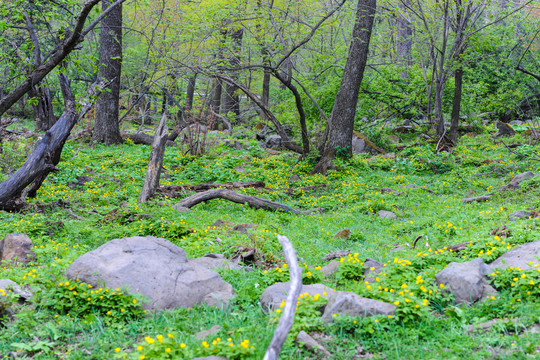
x=250, y=200
x=155, y=163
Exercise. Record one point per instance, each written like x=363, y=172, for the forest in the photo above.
x=217, y=179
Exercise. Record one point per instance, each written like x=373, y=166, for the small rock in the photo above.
x=214, y=261
x=467, y=281
x=482, y=198
x=504, y=130
x=343, y=234
x=371, y=269
x=350, y=304
x=524, y=256
x=17, y=248
x=294, y=178
x=218, y=223
x=273, y=142
x=242, y=228
x=383, y=214
x=385, y=190
x=519, y=178
x=411, y=186
x=206, y=333
x=240, y=169
x=273, y=295
x=389, y=155
x=311, y=344
x=501, y=231
x=331, y=268
x=336, y=255
x=11, y=286
x=523, y=215
x=178, y=207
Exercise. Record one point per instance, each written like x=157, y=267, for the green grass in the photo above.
x=433, y=207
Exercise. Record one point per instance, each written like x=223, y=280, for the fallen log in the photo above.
x=250, y=200
x=173, y=191
x=143, y=139
x=482, y=198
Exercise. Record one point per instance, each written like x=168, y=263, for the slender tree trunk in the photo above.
x=437, y=109
x=404, y=39
x=231, y=99
x=341, y=122
x=266, y=87
x=106, y=126
x=456, y=106
x=190, y=92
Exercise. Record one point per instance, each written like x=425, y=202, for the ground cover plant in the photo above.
x=73, y=320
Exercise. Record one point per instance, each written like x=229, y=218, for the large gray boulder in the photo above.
x=155, y=268
x=273, y=295
x=524, y=256
x=466, y=281
x=17, y=248
x=350, y=304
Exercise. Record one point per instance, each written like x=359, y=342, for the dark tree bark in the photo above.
x=456, y=106
x=217, y=88
x=299, y=106
x=43, y=109
x=231, y=98
x=340, y=126
x=190, y=92
x=106, y=126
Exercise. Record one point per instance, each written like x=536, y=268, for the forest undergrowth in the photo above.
x=93, y=199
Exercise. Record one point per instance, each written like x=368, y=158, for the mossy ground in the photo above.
x=432, y=187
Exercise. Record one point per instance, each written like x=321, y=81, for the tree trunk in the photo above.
x=266, y=88
x=106, y=126
x=341, y=122
x=217, y=88
x=190, y=92
x=231, y=99
x=456, y=106
x=438, y=112
x=43, y=109
x=404, y=39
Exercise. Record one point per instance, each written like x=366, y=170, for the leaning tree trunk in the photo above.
x=106, y=126
x=342, y=119
x=45, y=156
